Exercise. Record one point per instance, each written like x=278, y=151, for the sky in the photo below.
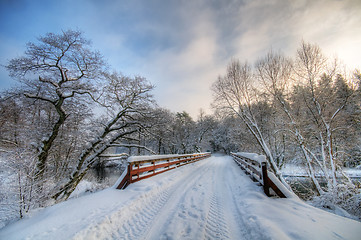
x=182, y=46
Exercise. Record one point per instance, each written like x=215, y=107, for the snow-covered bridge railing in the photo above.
x=256, y=166
x=141, y=167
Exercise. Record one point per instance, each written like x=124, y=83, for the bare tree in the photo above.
x=54, y=70
x=129, y=105
x=204, y=126
x=235, y=92
x=328, y=95
x=274, y=72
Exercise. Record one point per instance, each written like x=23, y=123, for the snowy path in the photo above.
x=195, y=205
x=210, y=199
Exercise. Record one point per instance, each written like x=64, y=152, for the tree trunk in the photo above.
x=87, y=159
x=48, y=143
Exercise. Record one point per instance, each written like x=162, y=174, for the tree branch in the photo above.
x=39, y=98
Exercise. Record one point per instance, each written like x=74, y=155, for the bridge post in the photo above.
x=129, y=177
x=266, y=184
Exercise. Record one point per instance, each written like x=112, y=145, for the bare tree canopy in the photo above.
x=53, y=70
x=305, y=109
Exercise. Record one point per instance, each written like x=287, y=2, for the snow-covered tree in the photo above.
x=51, y=112
x=236, y=92
x=326, y=95
x=129, y=104
x=54, y=70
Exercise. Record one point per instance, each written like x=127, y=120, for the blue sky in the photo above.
x=182, y=46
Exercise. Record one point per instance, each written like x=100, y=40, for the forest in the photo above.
x=70, y=107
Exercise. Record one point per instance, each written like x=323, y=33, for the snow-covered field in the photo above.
x=210, y=199
x=295, y=170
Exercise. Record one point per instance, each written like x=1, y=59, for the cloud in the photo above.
x=332, y=24
x=184, y=75
x=203, y=37
x=182, y=46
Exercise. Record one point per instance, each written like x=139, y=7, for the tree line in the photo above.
x=70, y=108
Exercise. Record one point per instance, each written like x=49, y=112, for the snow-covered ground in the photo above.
x=300, y=171
x=210, y=199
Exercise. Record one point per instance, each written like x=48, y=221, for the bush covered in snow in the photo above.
x=86, y=187
x=343, y=200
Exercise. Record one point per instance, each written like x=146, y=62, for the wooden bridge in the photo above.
x=142, y=167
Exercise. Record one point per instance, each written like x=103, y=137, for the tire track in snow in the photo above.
x=196, y=210
x=202, y=201
x=134, y=220
x=127, y=222
x=183, y=209
x=134, y=227
x=218, y=221
x=247, y=224
x=216, y=225
x=184, y=184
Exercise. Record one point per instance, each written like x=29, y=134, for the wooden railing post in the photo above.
x=266, y=185
x=138, y=166
x=257, y=168
x=129, y=174
x=127, y=178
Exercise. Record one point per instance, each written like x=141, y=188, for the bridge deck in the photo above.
x=210, y=199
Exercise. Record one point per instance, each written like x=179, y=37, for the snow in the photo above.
x=353, y=172
x=115, y=155
x=260, y=159
x=208, y=199
x=280, y=186
x=156, y=157
x=150, y=157
x=253, y=156
x=85, y=187
x=120, y=179
x=294, y=170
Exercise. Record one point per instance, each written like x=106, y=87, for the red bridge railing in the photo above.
x=256, y=167
x=141, y=167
